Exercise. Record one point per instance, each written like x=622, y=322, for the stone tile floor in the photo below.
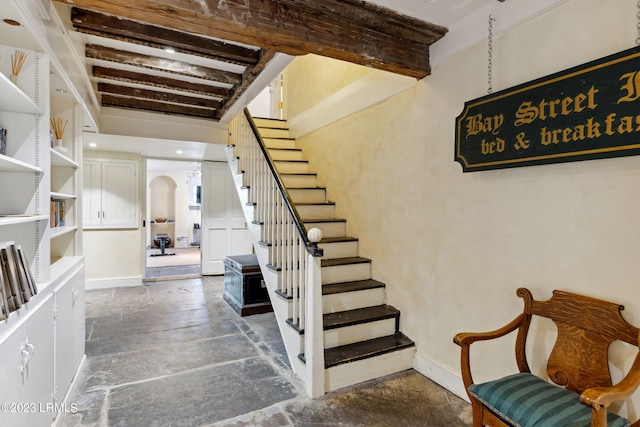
x=173, y=353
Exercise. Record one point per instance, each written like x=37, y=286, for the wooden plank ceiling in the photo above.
x=222, y=46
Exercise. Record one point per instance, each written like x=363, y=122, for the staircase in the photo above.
x=331, y=313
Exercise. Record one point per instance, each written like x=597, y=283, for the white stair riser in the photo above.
x=243, y=194
x=300, y=181
x=352, y=300
x=361, y=332
x=279, y=143
x=339, y=249
x=313, y=195
x=329, y=229
x=285, y=154
x=233, y=162
x=269, y=123
x=274, y=133
x=364, y=370
x=324, y=211
x=346, y=273
x=292, y=167
x=238, y=179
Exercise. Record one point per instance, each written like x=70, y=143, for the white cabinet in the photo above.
x=110, y=193
x=69, y=330
x=27, y=368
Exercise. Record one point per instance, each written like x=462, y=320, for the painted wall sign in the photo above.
x=587, y=112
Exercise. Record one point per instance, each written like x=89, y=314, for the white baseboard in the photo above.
x=440, y=375
x=116, y=282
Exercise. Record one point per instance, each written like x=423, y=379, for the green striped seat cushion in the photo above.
x=524, y=400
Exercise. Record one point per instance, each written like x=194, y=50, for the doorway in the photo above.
x=173, y=210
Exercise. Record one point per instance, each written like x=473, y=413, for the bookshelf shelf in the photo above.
x=62, y=196
x=9, y=164
x=58, y=159
x=62, y=230
x=14, y=99
x=20, y=219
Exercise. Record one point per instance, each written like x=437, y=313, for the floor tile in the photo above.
x=172, y=353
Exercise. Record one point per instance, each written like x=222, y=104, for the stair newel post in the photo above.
x=314, y=335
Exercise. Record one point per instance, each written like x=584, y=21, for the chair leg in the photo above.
x=477, y=410
x=599, y=417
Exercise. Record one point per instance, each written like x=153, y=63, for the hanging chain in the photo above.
x=638, y=22
x=490, y=54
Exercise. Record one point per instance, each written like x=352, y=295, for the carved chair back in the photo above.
x=586, y=328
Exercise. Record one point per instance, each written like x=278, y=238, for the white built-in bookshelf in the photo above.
x=42, y=341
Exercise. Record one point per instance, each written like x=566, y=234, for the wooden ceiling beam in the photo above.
x=249, y=78
x=156, y=95
x=161, y=64
x=128, y=31
x=348, y=30
x=159, y=107
x=159, y=82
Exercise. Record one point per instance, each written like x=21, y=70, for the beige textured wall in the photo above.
x=316, y=78
x=453, y=247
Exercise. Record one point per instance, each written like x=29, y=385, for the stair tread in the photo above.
x=359, y=316
x=284, y=149
x=312, y=220
x=285, y=138
x=365, y=349
x=315, y=204
x=306, y=188
x=332, y=262
x=338, y=239
x=357, y=285
x=299, y=174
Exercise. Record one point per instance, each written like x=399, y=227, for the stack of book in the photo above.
x=17, y=284
x=57, y=213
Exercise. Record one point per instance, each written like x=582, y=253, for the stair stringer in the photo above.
x=282, y=308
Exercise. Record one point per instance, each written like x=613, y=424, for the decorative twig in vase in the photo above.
x=58, y=130
x=17, y=61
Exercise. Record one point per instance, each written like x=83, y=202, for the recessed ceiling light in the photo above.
x=178, y=151
x=169, y=50
x=93, y=145
x=11, y=22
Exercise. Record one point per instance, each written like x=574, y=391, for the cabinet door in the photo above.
x=26, y=369
x=91, y=193
x=69, y=344
x=119, y=193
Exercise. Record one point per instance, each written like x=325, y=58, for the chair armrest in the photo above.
x=465, y=339
x=602, y=397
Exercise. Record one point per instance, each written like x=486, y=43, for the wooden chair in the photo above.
x=578, y=363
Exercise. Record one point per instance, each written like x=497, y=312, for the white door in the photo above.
x=224, y=228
